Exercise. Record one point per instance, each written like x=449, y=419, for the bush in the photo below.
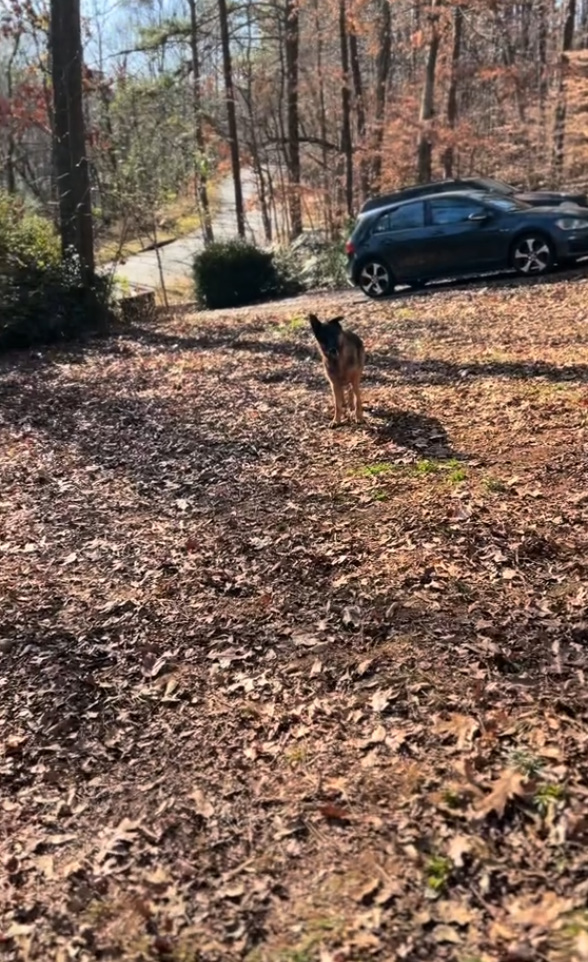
x=327, y=269
x=26, y=240
x=41, y=296
x=233, y=273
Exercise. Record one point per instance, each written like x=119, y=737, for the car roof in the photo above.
x=414, y=190
x=473, y=193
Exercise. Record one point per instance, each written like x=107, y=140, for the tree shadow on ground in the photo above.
x=433, y=371
x=424, y=435
x=426, y=371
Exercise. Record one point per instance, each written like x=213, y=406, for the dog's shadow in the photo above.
x=419, y=433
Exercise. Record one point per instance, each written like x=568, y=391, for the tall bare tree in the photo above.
x=231, y=115
x=200, y=172
x=292, y=44
x=427, y=112
x=354, y=56
x=383, y=62
x=449, y=152
x=71, y=165
x=346, y=141
x=559, y=123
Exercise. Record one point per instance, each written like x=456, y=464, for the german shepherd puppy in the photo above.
x=343, y=356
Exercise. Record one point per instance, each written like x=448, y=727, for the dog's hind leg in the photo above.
x=356, y=388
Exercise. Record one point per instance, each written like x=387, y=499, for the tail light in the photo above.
x=349, y=248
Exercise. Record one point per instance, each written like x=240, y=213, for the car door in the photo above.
x=400, y=237
x=465, y=234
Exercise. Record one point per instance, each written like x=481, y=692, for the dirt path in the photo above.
x=141, y=270
x=281, y=694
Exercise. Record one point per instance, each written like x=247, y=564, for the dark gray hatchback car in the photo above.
x=457, y=235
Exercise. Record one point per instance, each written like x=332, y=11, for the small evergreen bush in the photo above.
x=41, y=295
x=233, y=273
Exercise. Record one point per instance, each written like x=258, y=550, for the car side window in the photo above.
x=448, y=210
x=403, y=218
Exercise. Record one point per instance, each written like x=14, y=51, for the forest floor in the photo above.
x=277, y=693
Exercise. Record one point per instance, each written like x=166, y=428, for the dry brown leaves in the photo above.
x=276, y=693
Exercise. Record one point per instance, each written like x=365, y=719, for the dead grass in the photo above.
x=281, y=694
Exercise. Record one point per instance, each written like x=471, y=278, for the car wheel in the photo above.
x=532, y=254
x=375, y=279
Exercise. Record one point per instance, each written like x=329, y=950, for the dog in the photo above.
x=343, y=356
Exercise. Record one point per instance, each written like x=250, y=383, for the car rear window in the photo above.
x=408, y=217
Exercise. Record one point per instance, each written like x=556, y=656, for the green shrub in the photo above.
x=26, y=239
x=41, y=296
x=327, y=269
x=232, y=273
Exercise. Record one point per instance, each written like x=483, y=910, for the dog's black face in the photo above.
x=328, y=335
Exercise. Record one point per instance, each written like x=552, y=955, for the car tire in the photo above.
x=375, y=279
x=532, y=254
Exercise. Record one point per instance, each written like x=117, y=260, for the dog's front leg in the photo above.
x=339, y=403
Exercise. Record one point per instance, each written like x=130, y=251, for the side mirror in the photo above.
x=482, y=216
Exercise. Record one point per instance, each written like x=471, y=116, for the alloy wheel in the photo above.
x=374, y=279
x=532, y=255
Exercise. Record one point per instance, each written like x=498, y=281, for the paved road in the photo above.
x=141, y=270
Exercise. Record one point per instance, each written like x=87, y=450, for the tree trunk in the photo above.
x=427, y=113
x=11, y=148
x=200, y=175
x=231, y=115
x=73, y=181
x=543, y=29
x=449, y=152
x=383, y=63
x=359, y=110
x=292, y=68
x=559, y=122
x=346, y=142
x=326, y=178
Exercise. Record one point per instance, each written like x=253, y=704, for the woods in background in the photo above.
x=328, y=101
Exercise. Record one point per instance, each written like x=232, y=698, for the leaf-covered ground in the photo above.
x=278, y=693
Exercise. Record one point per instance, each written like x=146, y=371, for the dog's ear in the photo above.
x=336, y=321
x=315, y=324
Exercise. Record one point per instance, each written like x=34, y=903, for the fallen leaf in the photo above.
x=364, y=666
x=378, y=735
x=456, y=913
x=202, y=806
x=334, y=812
x=391, y=890
x=235, y=891
x=445, y=933
x=511, y=784
x=380, y=699
x=581, y=946
x=366, y=893
x=459, y=846
x=464, y=727
x=541, y=914
x=46, y=865
x=305, y=639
